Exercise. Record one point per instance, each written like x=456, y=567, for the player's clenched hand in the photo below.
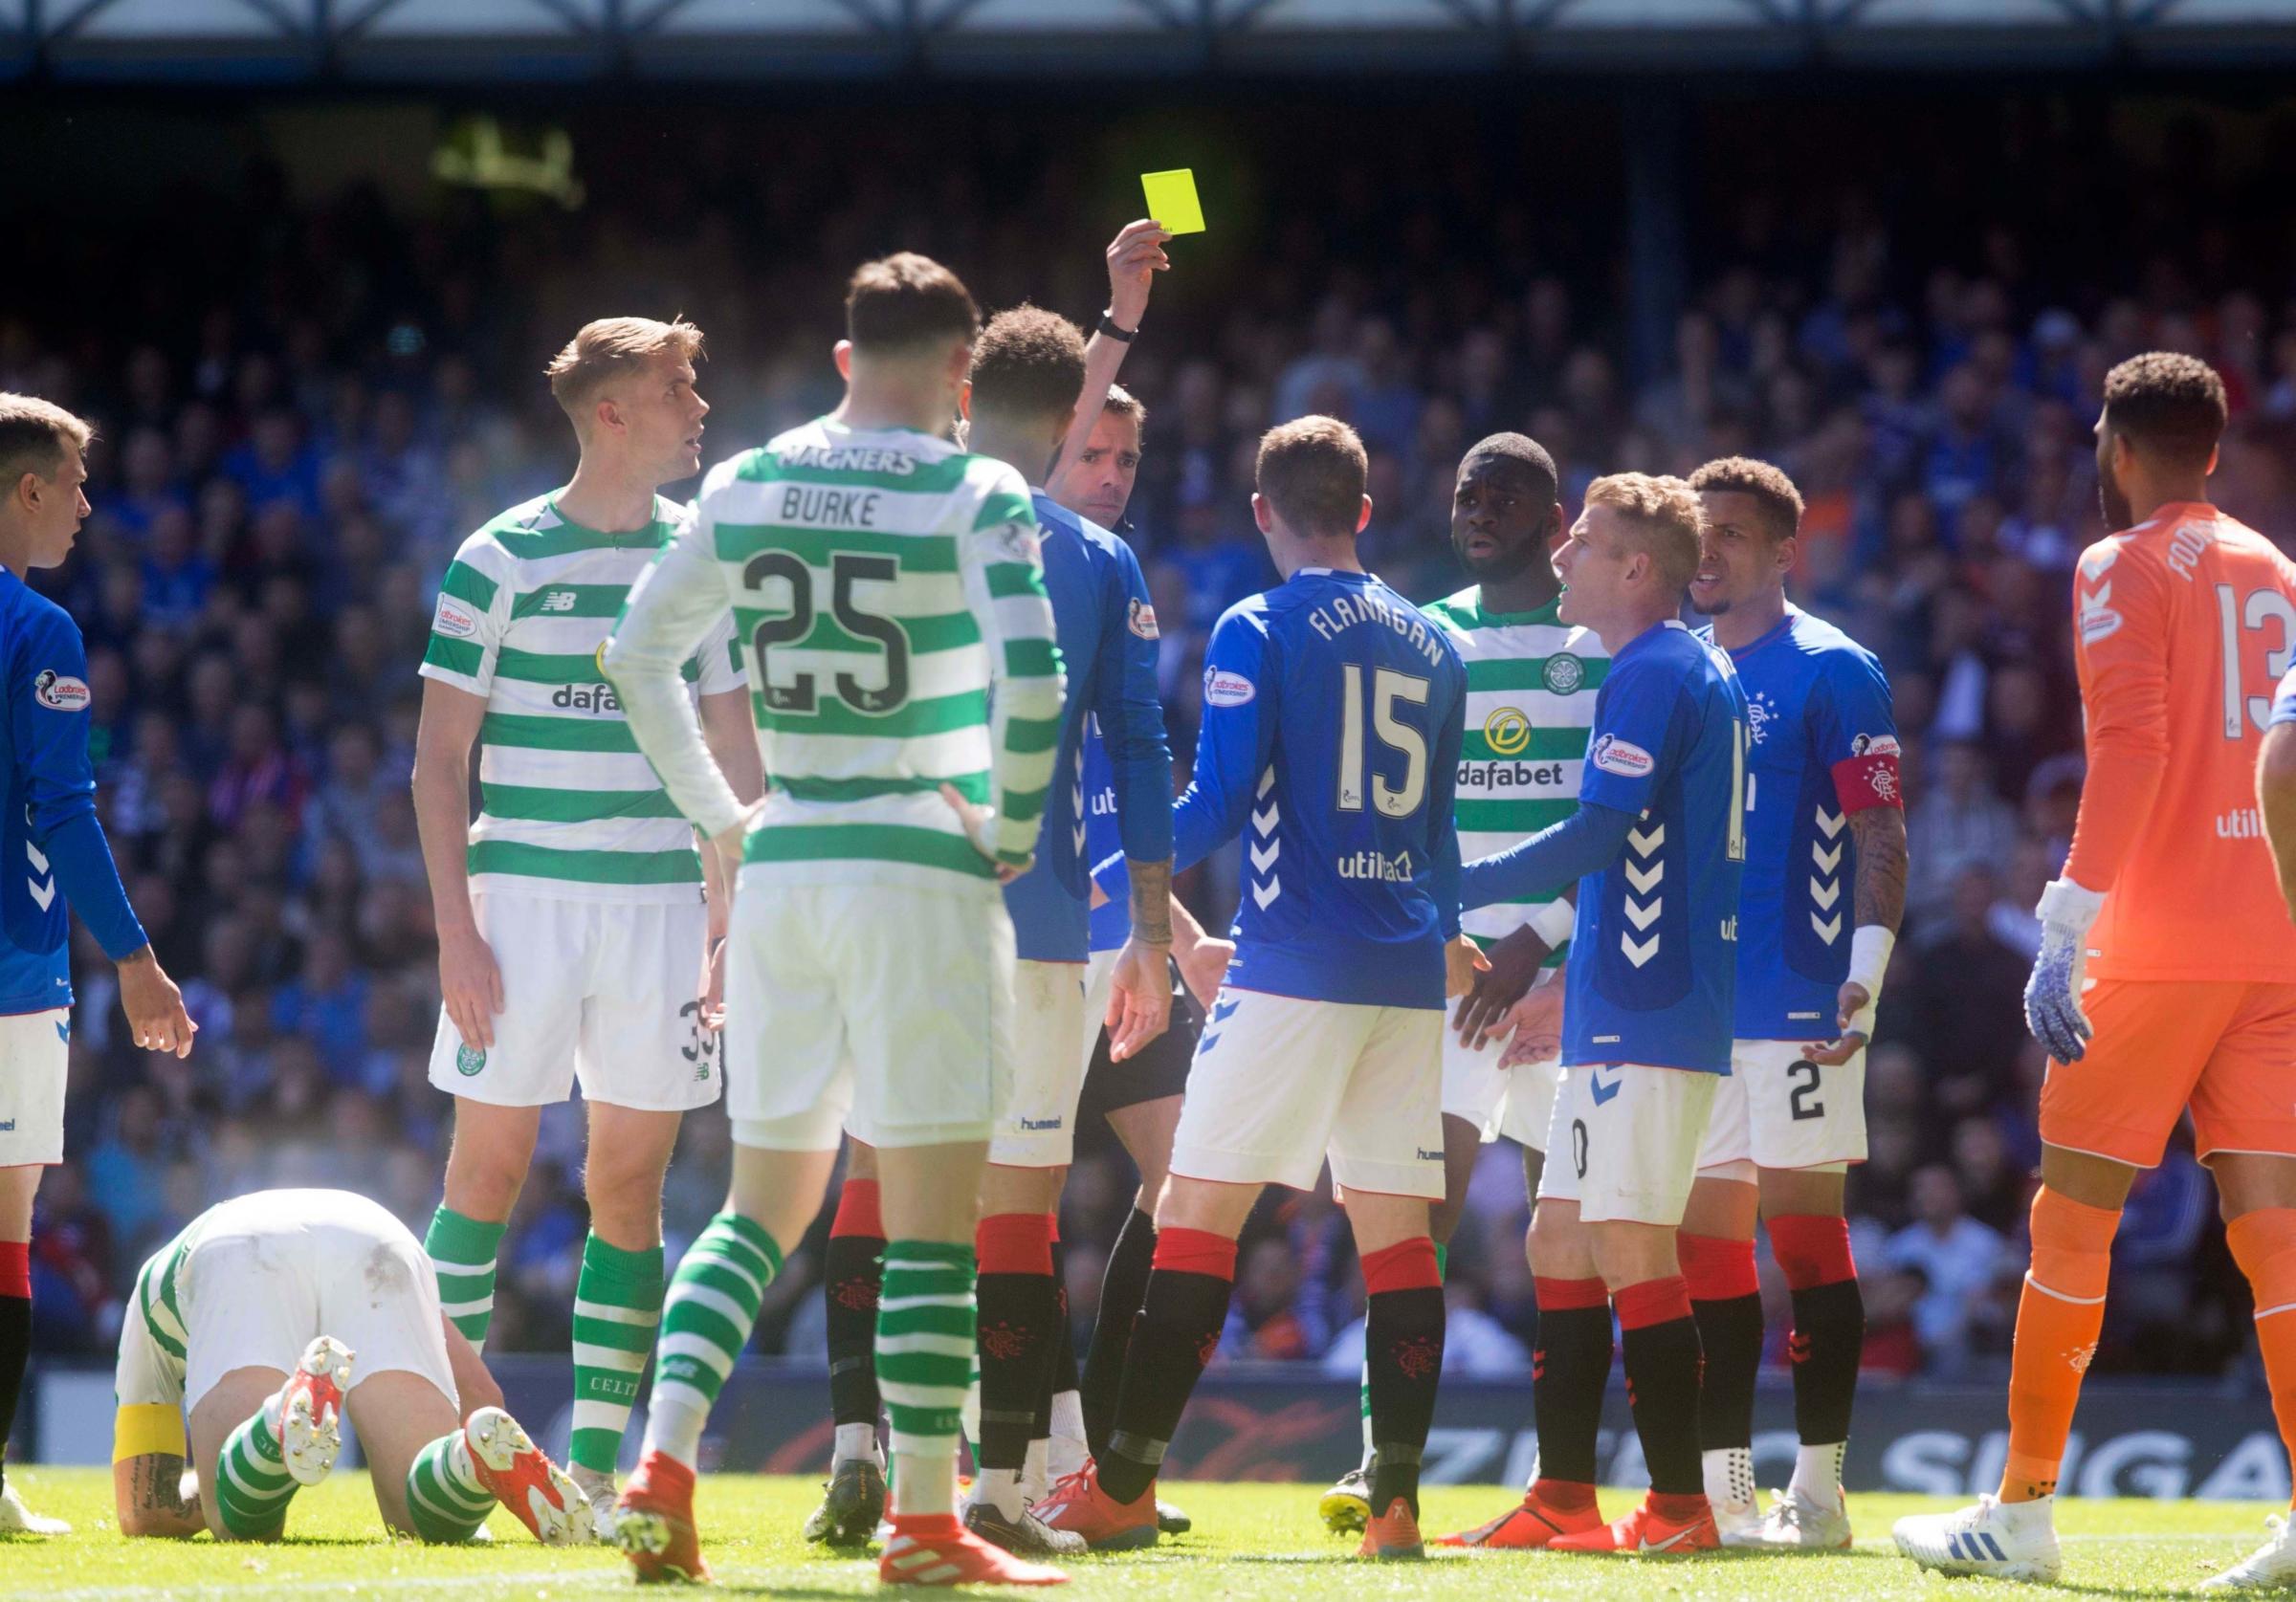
x=154, y=1006
x=2053, y=994
x=1135, y=257
x=1139, y=999
x=1462, y=962
x=1512, y=969
x=470, y=984
x=1203, y=967
x=713, y=984
x=1834, y=1053
x=977, y=821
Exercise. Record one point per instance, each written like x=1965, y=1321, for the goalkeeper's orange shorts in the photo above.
x=2225, y=1049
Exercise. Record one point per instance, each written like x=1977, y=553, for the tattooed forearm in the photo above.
x=153, y=1501
x=1880, y=832
x=1151, y=902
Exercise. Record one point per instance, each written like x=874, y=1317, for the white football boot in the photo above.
x=1994, y=1540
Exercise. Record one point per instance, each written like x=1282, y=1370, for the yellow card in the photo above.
x=1172, y=200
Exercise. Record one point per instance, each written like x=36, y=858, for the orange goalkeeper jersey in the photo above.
x=2182, y=625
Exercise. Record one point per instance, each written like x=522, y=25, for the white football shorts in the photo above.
x=1777, y=1111
x=35, y=1058
x=1279, y=1084
x=1518, y=1103
x=1054, y=1027
x=1624, y=1141
x=883, y=1010
x=603, y=992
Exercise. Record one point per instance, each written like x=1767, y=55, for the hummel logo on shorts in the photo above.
x=1602, y=1092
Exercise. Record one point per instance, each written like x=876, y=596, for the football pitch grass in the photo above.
x=1250, y=1541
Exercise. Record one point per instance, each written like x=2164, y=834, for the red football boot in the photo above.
x=935, y=1549
x=1529, y=1526
x=653, y=1522
x=1077, y=1502
x=1393, y=1535
x=1686, y=1527
x=524, y=1479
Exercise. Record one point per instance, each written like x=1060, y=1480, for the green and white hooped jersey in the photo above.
x=881, y=580
x=156, y=1307
x=568, y=808
x=1531, y=683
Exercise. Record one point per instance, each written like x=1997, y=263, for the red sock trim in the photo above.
x=1563, y=1296
x=1015, y=1243
x=1564, y=1496
x=1653, y=1302
x=859, y=1211
x=1812, y=1249
x=1405, y=1265
x=15, y=1269
x=1718, y=1269
x=1196, y=1251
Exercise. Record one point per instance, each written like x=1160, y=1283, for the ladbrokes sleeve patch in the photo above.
x=455, y=620
x=1223, y=688
x=60, y=692
x=1623, y=757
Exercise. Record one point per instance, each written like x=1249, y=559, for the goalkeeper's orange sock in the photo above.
x=2058, y=1318
x=2264, y=1243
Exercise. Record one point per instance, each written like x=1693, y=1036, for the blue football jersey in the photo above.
x=1107, y=643
x=1653, y=951
x=1813, y=698
x=1112, y=920
x=1333, y=711
x=49, y=841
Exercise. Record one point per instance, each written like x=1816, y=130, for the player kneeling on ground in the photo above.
x=268, y=1319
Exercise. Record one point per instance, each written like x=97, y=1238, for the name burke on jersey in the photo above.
x=1346, y=611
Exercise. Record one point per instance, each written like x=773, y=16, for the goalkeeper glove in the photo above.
x=2053, y=994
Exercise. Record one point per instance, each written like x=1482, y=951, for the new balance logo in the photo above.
x=558, y=601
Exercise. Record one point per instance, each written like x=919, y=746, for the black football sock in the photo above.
x=1661, y=1342
x=16, y=1335
x=1402, y=1342
x=852, y=1274
x=1829, y=1323
x=1122, y=1287
x=1177, y=1331
x=1020, y=1309
x=1726, y=1300
x=1569, y=1372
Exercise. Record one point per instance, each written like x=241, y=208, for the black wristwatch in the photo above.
x=1107, y=326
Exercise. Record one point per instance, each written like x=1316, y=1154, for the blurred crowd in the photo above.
x=300, y=422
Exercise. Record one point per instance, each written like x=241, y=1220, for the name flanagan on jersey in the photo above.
x=1344, y=611
x=1376, y=865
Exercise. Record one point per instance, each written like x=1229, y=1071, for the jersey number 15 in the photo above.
x=1387, y=687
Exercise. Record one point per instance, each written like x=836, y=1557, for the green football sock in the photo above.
x=253, y=1486
x=445, y=1501
x=713, y=1303
x=463, y=1252
x=617, y=1305
x=925, y=1335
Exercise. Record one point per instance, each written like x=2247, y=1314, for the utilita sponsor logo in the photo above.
x=1375, y=864
x=2242, y=823
x=587, y=697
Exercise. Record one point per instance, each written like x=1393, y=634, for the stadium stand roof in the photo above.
x=491, y=40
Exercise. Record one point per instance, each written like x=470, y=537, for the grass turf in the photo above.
x=1250, y=1542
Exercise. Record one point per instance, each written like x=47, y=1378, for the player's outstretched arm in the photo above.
x=1586, y=842
x=1488, y=1011
x=2276, y=800
x=150, y=1492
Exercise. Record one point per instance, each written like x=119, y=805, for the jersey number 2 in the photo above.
x=846, y=568
x=1387, y=687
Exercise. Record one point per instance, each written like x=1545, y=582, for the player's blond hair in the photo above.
x=609, y=347
x=34, y=435
x=1662, y=519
